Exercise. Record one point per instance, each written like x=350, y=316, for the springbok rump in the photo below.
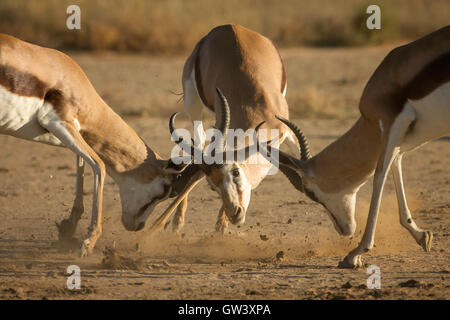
x=249, y=71
x=46, y=97
x=405, y=104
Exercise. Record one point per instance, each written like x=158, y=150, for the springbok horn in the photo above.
x=287, y=160
x=161, y=221
x=225, y=115
x=179, y=140
x=192, y=171
x=224, y=123
x=304, y=146
x=286, y=163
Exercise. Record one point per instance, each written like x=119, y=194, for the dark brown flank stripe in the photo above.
x=433, y=75
x=430, y=78
x=28, y=85
x=166, y=193
x=22, y=83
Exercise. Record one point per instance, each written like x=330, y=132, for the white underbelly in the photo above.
x=18, y=118
x=432, y=118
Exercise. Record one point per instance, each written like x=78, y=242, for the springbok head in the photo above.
x=227, y=178
x=300, y=172
x=142, y=190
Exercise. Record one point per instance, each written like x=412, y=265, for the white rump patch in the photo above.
x=432, y=118
x=19, y=118
x=16, y=111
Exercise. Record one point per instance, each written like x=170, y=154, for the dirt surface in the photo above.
x=287, y=248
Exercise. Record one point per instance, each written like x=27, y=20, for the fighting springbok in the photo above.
x=249, y=71
x=405, y=104
x=46, y=97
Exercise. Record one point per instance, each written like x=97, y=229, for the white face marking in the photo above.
x=135, y=195
x=235, y=191
x=232, y=184
x=340, y=207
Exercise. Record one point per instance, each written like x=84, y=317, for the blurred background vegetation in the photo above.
x=174, y=26
x=133, y=51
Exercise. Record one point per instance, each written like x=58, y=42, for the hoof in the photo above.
x=176, y=228
x=65, y=230
x=349, y=263
x=427, y=241
x=86, y=248
x=167, y=225
x=221, y=230
x=221, y=227
x=68, y=245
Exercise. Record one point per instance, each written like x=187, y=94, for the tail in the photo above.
x=178, y=94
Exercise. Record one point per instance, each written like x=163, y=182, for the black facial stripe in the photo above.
x=312, y=195
x=167, y=191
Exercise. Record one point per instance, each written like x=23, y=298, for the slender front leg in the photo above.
x=68, y=134
x=178, y=220
x=423, y=238
x=389, y=152
x=68, y=226
x=222, y=221
x=96, y=228
x=353, y=259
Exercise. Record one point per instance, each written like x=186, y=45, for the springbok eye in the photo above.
x=235, y=173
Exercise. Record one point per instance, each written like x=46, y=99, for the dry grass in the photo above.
x=174, y=26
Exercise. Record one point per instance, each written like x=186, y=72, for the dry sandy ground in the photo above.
x=37, y=185
x=36, y=189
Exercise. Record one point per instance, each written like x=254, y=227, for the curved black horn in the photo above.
x=222, y=126
x=179, y=140
x=225, y=116
x=179, y=182
x=284, y=160
x=304, y=146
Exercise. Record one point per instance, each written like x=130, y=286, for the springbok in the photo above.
x=46, y=97
x=249, y=71
x=405, y=104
